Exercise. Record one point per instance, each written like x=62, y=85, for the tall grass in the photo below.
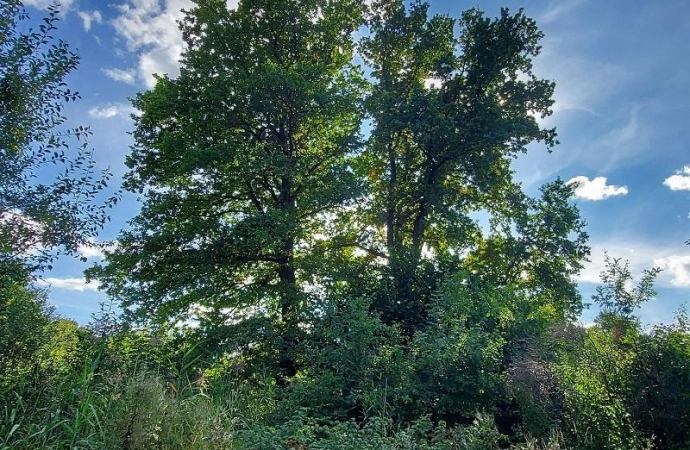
x=46, y=412
x=90, y=410
x=109, y=406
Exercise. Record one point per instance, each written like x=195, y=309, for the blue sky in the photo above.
x=622, y=108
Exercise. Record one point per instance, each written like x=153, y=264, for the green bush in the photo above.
x=352, y=362
x=377, y=433
x=24, y=317
x=595, y=380
x=660, y=385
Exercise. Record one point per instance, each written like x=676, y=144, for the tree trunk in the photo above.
x=289, y=292
x=289, y=311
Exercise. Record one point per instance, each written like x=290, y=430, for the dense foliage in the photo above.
x=264, y=206
x=307, y=270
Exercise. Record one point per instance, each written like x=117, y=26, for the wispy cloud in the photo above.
x=123, y=75
x=620, y=144
x=680, y=181
x=583, y=84
x=595, y=189
x=584, y=91
x=623, y=144
x=65, y=5
x=556, y=9
x=69, y=284
x=112, y=110
x=674, y=261
x=89, y=17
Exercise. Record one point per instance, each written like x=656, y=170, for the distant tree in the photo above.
x=618, y=297
x=42, y=217
x=65, y=348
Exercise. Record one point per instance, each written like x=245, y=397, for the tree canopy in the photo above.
x=263, y=195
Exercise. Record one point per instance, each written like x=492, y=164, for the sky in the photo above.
x=622, y=107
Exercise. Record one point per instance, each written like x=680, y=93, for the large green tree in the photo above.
x=450, y=111
x=39, y=216
x=240, y=159
x=259, y=199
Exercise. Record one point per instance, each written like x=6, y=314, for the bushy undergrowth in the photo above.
x=490, y=370
x=142, y=413
x=115, y=410
x=594, y=392
x=126, y=391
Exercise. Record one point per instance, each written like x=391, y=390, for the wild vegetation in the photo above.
x=306, y=271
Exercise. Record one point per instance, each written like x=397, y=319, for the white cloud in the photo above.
x=680, y=181
x=69, y=284
x=123, y=75
x=89, y=251
x=595, y=189
x=16, y=218
x=112, y=110
x=149, y=28
x=432, y=82
x=678, y=266
x=27, y=234
x=93, y=249
x=674, y=260
x=105, y=112
x=89, y=17
x=159, y=61
x=65, y=5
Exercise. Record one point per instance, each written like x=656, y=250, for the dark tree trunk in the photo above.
x=289, y=293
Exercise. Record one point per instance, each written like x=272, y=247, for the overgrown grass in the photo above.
x=87, y=409
x=143, y=411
